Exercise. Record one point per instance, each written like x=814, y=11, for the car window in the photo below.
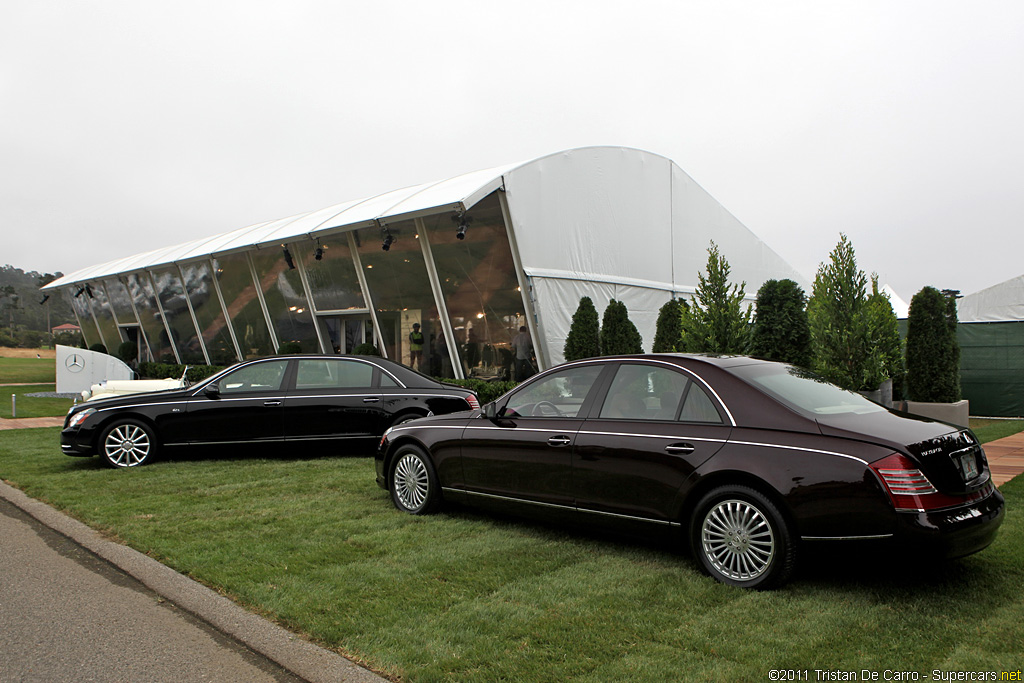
x=387, y=381
x=333, y=373
x=805, y=392
x=560, y=394
x=644, y=392
x=698, y=406
x=256, y=377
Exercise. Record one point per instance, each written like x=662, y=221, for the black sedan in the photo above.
x=298, y=400
x=751, y=460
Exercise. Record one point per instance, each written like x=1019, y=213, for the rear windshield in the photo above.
x=804, y=391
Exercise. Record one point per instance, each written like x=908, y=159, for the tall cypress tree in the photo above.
x=618, y=334
x=583, y=340
x=933, y=353
x=781, y=331
x=668, y=333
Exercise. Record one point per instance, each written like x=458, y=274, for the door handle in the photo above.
x=371, y=399
x=679, y=449
x=559, y=441
x=271, y=403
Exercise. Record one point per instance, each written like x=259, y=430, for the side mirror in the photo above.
x=490, y=411
x=211, y=390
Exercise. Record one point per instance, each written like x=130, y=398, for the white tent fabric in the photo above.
x=900, y=307
x=614, y=223
x=1000, y=303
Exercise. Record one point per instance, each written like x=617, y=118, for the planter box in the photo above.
x=956, y=413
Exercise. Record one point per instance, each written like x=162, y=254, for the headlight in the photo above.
x=81, y=417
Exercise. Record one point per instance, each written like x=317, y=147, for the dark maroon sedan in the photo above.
x=752, y=460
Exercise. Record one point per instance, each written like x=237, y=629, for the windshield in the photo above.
x=804, y=391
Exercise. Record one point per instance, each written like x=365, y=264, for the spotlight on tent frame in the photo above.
x=463, y=221
x=288, y=258
x=318, y=253
x=88, y=290
x=387, y=240
x=80, y=292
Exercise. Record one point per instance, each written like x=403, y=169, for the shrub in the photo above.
x=128, y=352
x=366, y=349
x=933, y=353
x=781, y=331
x=618, y=334
x=100, y=348
x=668, y=333
x=487, y=391
x=715, y=321
x=583, y=340
x=289, y=347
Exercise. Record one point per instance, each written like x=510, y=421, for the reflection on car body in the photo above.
x=752, y=461
x=349, y=400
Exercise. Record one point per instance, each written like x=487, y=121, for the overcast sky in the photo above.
x=127, y=125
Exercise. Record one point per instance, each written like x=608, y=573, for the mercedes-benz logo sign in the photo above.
x=75, y=363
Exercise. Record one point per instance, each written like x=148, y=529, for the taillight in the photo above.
x=910, y=489
x=473, y=401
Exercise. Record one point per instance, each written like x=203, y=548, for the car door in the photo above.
x=655, y=425
x=525, y=452
x=334, y=399
x=246, y=405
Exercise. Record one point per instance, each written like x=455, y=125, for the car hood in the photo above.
x=937, y=447
x=133, y=399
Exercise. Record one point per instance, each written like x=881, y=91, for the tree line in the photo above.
x=844, y=332
x=26, y=314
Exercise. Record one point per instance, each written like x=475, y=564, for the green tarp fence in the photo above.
x=992, y=367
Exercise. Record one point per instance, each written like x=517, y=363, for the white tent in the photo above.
x=604, y=222
x=1000, y=303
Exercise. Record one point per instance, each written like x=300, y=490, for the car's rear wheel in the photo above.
x=414, y=486
x=128, y=443
x=740, y=537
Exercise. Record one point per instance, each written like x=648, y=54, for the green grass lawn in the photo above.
x=41, y=370
x=314, y=544
x=32, y=406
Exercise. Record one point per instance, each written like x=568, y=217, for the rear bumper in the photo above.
x=954, y=532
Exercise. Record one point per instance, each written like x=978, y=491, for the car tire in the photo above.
x=741, y=538
x=414, y=485
x=128, y=443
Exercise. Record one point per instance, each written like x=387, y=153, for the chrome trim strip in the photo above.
x=670, y=437
x=846, y=538
x=800, y=448
x=558, y=507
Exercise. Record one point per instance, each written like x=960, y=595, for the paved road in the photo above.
x=66, y=615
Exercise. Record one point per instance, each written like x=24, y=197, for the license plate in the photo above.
x=969, y=466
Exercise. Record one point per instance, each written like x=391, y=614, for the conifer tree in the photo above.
x=668, y=333
x=583, y=340
x=781, y=331
x=933, y=353
x=716, y=320
x=618, y=334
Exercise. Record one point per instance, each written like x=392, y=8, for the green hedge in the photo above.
x=487, y=391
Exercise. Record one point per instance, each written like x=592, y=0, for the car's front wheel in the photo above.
x=740, y=537
x=414, y=486
x=128, y=443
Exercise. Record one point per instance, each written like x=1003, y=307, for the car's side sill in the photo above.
x=570, y=508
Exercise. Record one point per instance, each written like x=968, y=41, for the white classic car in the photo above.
x=120, y=387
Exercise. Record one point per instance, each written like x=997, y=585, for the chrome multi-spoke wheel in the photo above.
x=741, y=538
x=737, y=540
x=127, y=444
x=413, y=482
